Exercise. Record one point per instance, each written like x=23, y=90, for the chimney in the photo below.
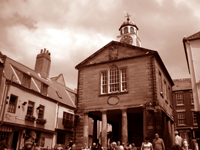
x=43, y=62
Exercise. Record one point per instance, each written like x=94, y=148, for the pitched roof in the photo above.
x=195, y=36
x=60, y=79
x=144, y=50
x=56, y=91
x=192, y=37
x=182, y=84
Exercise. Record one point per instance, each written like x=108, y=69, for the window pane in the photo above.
x=61, y=138
x=132, y=29
x=104, y=82
x=125, y=30
x=26, y=80
x=179, y=99
x=181, y=117
x=12, y=104
x=44, y=89
x=30, y=108
x=124, y=80
x=194, y=118
x=191, y=96
x=41, y=112
x=114, y=79
x=179, y=95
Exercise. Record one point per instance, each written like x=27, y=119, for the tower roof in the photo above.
x=128, y=22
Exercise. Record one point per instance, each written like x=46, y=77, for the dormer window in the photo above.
x=125, y=30
x=22, y=78
x=44, y=89
x=26, y=80
x=113, y=80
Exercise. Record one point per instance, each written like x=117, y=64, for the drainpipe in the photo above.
x=153, y=72
x=7, y=88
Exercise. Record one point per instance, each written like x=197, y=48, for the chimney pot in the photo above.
x=41, y=51
x=44, y=50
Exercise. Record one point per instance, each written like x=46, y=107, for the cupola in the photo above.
x=129, y=32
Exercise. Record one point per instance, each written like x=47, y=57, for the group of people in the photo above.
x=182, y=144
x=158, y=143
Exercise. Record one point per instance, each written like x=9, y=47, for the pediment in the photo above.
x=114, y=51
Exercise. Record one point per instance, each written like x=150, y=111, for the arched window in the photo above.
x=125, y=30
x=114, y=79
x=132, y=29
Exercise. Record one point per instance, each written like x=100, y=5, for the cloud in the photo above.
x=73, y=30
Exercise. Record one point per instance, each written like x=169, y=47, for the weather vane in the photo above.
x=127, y=15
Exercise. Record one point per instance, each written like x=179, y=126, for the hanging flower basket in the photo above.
x=30, y=118
x=41, y=120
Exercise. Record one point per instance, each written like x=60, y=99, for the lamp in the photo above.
x=24, y=103
x=38, y=108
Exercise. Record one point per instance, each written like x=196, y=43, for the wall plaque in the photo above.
x=113, y=53
x=113, y=100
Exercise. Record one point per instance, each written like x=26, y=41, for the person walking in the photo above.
x=158, y=143
x=185, y=144
x=178, y=139
x=194, y=144
x=146, y=145
x=178, y=142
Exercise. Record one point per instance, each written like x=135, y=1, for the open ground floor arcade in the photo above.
x=128, y=125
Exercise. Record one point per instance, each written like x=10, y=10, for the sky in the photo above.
x=74, y=30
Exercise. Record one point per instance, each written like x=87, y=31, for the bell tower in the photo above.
x=129, y=32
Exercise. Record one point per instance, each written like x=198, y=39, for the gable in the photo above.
x=114, y=51
x=60, y=79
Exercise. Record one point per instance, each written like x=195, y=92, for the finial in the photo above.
x=127, y=15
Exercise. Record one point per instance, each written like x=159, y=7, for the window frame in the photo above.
x=44, y=89
x=32, y=108
x=160, y=81
x=68, y=119
x=41, y=111
x=180, y=119
x=191, y=98
x=181, y=98
x=107, y=72
x=12, y=104
x=113, y=79
x=132, y=30
x=125, y=30
x=61, y=136
x=194, y=118
x=26, y=81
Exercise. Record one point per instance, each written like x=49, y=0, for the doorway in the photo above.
x=15, y=140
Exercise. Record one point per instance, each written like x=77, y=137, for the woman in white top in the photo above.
x=146, y=145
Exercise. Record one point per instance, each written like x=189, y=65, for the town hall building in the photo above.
x=128, y=87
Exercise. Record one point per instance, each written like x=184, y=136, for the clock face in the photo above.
x=126, y=39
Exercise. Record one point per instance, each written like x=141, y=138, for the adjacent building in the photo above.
x=30, y=100
x=128, y=87
x=184, y=112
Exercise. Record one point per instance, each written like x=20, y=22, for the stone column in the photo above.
x=124, y=126
x=165, y=133
x=170, y=133
x=104, y=129
x=144, y=123
x=94, y=135
x=173, y=136
x=85, y=129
